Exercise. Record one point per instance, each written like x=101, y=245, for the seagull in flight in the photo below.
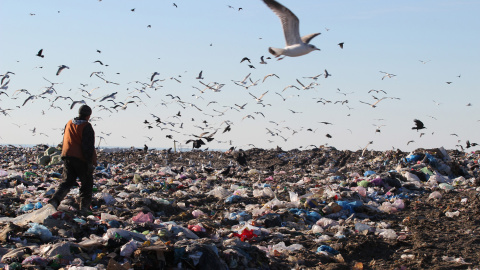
x=259, y=99
x=60, y=68
x=387, y=75
x=270, y=75
x=77, y=102
x=296, y=45
x=314, y=77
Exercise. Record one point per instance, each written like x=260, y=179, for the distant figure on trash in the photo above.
x=145, y=148
x=80, y=158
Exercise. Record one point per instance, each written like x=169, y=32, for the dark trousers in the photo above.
x=72, y=169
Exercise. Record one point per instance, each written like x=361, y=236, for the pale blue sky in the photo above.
x=390, y=36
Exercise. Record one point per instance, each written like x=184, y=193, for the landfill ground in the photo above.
x=259, y=209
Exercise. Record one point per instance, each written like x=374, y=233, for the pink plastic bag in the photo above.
x=143, y=218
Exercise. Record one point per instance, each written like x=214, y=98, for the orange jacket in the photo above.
x=79, y=141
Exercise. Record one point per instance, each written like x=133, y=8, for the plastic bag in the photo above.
x=361, y=190
x=245, y=235
x=198, y=213
x=41, y=231
x=219, y=192
x=113, y=233
x=36, y=260
x=452, y=214
x=107, y=216
x=143, y=218
x=127, y=249
x=388, y=234
x=435, y=195
x=360, y=227
x=93, y=241
x=325, y=248
x=109, y=199
x=281, y=247
x=399, y=204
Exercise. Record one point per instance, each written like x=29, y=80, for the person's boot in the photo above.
x=84, y=208
x=84, y=212
x=54, y=202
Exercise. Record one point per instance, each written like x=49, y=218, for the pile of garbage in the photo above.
x=320, y=208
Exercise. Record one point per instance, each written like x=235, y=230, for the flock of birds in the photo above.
x=172, y=126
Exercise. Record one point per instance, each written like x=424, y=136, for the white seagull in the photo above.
x=259, y=99
x=60, y=68
x=296, y=45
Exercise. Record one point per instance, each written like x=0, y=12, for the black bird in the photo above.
x=240, y=157
x=245, y=59
x=418, y=125
x=471, y=144
x=196, y=143
x=225, y=171
x=207, y=169
x=226, y=129
x=341, y=45
x=328, y=136
x=39, y=54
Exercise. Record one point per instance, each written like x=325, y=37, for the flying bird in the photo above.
x=295, y=45
x=245, y=59
x=60, y=68
x=112, y=96
x=227, y=128
x=270, y=75
x=40, y=53
x=153, y=75
x=387, y=75
x=341, y=45
x=471, y=144
x=374, y=105
x=418, y=124
x=29, y=98
x=259, y=99
x=327, y=74
x=314, y=77
x=377, y=91
x=262, y=61
x=77, y=102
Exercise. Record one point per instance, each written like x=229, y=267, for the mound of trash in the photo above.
x=255, y=209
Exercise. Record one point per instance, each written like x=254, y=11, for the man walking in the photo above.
x=79, y=157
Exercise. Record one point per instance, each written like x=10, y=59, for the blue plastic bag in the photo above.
x=327, y=249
